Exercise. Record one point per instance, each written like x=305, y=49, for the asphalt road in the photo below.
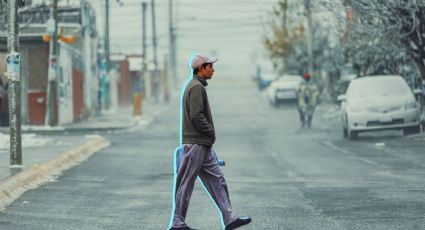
x=281, y=176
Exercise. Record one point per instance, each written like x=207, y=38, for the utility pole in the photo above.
x=105, y=60
x=137, y=94
x=85, y=19
x=107, y=34
x=144, y=5
x=155, y=58
x=52, y=74
x=284, y=6
x=172, y=44
x=14, y=82
x=307, y=4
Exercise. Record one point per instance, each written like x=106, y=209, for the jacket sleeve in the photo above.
x=197, y=110
x=315, y=95
x=300, y=97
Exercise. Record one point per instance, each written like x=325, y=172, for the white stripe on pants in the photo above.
x=199, y=161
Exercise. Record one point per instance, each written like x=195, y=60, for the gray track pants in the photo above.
x=199, y=161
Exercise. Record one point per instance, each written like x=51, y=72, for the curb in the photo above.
x=75, y=129
x=68, y=130
x=13, y=187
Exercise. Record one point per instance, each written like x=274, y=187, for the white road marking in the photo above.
x=348, y=153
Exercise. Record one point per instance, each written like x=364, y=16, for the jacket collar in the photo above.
x=203, y=81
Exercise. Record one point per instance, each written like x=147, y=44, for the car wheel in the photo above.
x=351, y=135
x=412, y=130
x=274, y=103
x=271, y=102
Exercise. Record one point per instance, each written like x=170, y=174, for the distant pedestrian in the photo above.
x=307, y=96
x=198, y=137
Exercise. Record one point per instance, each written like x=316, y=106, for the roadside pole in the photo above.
x=87, y=51
x=155, y=55
x=144, y=56
x=172, y=44
x=105, y=62
x=165, y=78
x=103, y=87
x=14, y=83
x=138, y=98
x=52, y=73
x=309, y=36
x=107, y=97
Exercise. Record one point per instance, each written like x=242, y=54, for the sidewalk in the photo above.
x=49, y=147
x=48, y=151
x=108, y=120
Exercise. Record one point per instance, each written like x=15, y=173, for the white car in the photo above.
x=284, y=89
x=378, y=103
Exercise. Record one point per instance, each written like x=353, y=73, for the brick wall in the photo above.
x=77, y=93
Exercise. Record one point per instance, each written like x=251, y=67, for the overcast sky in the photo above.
x=230, y=29
x=233, y=30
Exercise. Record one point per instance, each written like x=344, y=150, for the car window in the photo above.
x=378, y=86
x=268, y=76
x=290, y=78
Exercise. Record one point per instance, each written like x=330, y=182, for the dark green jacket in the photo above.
x=197, y=124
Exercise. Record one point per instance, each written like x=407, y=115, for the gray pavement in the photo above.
x=41, y=144
x=282, y=176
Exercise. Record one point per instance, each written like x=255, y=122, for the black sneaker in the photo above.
x=238, y=223
x=183, y=228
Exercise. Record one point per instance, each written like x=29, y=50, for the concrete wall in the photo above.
x=65, y=86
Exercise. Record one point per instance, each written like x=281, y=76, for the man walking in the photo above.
x=198, y=136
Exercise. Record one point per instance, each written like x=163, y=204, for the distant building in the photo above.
x=77, y=62
x=129, y=79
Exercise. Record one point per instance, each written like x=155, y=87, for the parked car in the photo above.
x=264, y=73
x=342, y=85
x=264, y=80
x=378, y=103
x=284, y=89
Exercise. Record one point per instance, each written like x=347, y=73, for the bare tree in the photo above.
x=399, y=21
x=287, y=42
x=286, y=33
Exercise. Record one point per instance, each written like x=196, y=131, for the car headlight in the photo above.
x=411, y=105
